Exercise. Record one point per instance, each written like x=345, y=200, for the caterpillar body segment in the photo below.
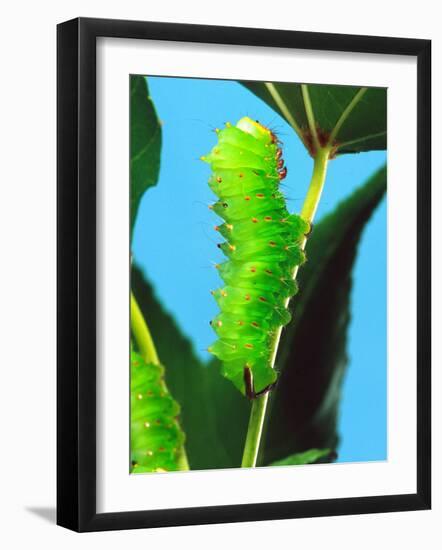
x=156, y=436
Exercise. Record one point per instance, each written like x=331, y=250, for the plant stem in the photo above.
x=147, y=350
x=142, y=333
x=314, y=192
x=259, y=405
x=254, y=431
x=183, y=463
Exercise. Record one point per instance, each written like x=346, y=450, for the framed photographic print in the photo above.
x=243, y=274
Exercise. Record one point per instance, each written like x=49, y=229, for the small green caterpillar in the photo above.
x=263, y=245
x=156, y=437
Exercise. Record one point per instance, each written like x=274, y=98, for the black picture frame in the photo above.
x=76, y=272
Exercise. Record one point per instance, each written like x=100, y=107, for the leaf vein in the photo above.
x=284, y=110
x=310, y=115
x=140, y=153
x=346, y=113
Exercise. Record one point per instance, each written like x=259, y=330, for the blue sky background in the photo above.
x=175, y=243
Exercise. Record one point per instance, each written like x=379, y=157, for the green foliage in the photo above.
x=364, y=129
x=307, y=457
x=156, y=436
x=145, y=143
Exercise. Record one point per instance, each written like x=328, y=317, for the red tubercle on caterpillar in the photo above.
x=282, y=171
x=274, y=138
x=282, y=174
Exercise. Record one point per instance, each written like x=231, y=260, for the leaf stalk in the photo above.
x=142, y=333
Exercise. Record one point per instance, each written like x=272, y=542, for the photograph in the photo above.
x=220, y=238
x=258, y=274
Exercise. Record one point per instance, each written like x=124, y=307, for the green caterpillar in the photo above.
x=263, y=246
x=156, y=437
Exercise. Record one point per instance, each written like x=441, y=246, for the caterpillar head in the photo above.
x=253, y=127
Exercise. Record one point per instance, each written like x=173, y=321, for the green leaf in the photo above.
x=145, y=143
x=214, y=414
x=353, y=118
x=307, y=457
x=305, y=403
